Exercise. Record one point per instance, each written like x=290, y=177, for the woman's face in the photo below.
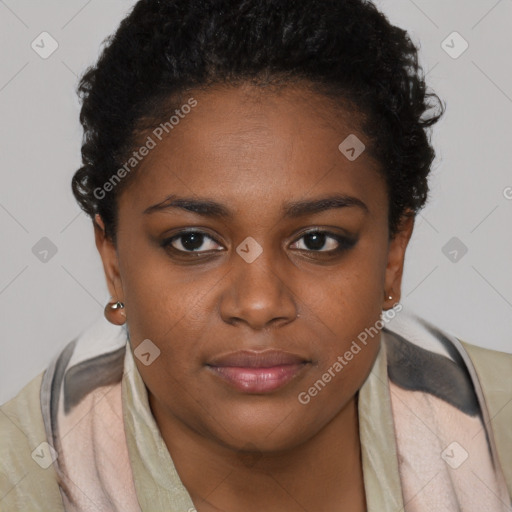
x=249, y=311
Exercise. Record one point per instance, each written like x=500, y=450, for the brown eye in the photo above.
x=191, y=241
x=324, y=241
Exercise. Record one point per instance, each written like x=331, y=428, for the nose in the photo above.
x=257, y=294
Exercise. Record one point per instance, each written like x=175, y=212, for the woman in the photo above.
x=253, y=170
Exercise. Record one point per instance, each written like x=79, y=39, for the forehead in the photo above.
x=252, y=144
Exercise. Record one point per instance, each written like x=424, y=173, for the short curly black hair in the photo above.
x=345, y=49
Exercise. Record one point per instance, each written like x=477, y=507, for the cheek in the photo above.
x=161, y=297
x=350, y=299
x=343, y=321
x=336, y=383
x=174, y=309
x=344, y=314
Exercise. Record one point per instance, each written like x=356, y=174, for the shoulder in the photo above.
x=493, y=363
x=494, y=372
x=28, y=481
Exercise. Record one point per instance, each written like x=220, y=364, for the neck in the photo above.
x=323, y=473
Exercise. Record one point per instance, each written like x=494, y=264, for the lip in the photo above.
x=258, y=372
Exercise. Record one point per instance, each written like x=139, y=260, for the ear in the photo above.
x=108, y=253
x=396, y=256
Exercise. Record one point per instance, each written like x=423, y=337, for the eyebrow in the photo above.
x=294, y=209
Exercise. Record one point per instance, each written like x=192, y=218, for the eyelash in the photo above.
x=344, y=243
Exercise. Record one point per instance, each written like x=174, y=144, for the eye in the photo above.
x=191, y=241
x=324, y=241
x=198, y=242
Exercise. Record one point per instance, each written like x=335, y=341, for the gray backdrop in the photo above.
x=51, y=280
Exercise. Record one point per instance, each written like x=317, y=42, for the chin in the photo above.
x=263, y=444
x=275, y=432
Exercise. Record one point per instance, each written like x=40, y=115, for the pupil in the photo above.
x=317, y=239
x=192, y=241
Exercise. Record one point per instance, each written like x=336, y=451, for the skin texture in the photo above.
x=253, y=151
